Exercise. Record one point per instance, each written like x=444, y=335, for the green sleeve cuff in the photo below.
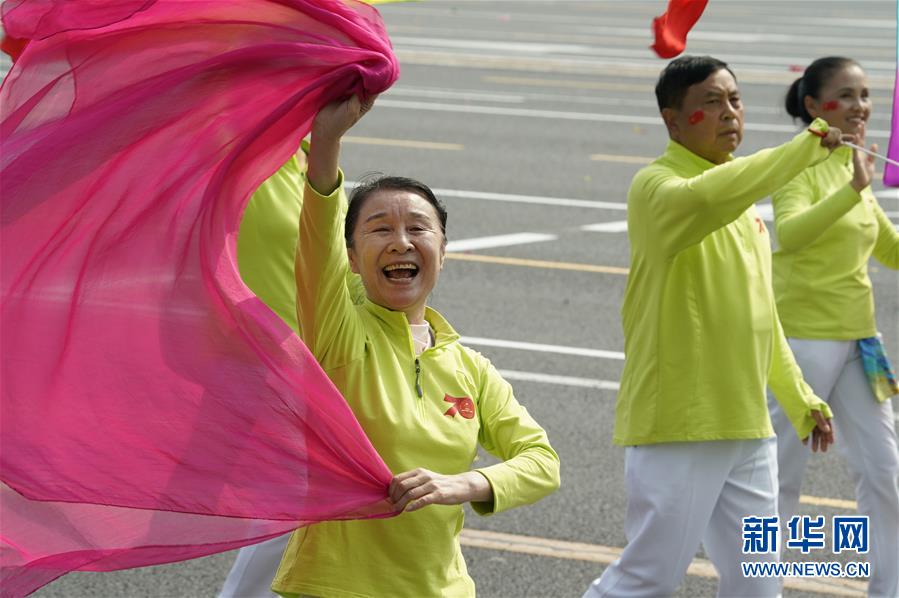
x=331, y=196
x=819, y=125
x=489, y=507
x=808, y=423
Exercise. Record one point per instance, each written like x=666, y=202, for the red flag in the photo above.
x=671, y=28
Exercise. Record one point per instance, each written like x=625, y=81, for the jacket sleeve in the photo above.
x=530, y=467
x=328, y=322
x=686, y=210
x=795, y=396
x=886, y=248
x=799, y=219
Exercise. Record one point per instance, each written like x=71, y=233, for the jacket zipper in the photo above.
x=418, y=378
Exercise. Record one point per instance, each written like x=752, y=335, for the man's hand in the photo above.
x=420, y=487
x=822, y=435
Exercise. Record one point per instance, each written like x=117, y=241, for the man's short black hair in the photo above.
x=680, y=74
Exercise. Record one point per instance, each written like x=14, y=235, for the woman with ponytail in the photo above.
x=828, y=224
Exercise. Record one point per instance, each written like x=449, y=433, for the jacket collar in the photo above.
x=397, y=321
x=684, y=160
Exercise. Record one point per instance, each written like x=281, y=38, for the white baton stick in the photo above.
x=870, y=153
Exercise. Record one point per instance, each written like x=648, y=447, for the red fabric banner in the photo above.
x=671, y=29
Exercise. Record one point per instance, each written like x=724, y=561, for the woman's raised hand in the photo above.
x=863, y=166
x=336, y=118
x=330, y=124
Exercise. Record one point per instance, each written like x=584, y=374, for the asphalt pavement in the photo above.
x=530, y=118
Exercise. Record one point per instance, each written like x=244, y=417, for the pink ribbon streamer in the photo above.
x=890, y=171
x=152, y=409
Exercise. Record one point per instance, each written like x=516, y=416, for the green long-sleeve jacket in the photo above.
x=367, y=352
x=702, y=336
x=827, y=232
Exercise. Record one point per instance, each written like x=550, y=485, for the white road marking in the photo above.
x=579, y=116
x=448, y=94
x=524, y=346
x=498, y=241
x=618, y=226
x=532, y=199
x=560, y=380
x=515, y=198
x=887, y=194
x=494, y=47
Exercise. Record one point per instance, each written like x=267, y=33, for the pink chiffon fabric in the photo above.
x=152, y=409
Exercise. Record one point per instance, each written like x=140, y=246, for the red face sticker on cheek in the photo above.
x=831, y=105
x=696, y=117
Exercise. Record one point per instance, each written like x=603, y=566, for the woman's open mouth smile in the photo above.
x=401, y=272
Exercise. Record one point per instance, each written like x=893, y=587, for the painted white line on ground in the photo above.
x=515, y=198
x=410, y=143
x=506, y=344
x=585, y=51
x=580, y=116
x=448, y=94
x=534, y=199
x=498, y=241
x=887, y=194
x=618, y=226
x=620, y=158
x=559, y=380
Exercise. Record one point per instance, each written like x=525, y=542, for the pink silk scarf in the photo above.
x=890, y=172
x=152, y=409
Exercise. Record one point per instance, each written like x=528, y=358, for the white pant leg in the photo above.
x=750, y=490
x=254, y=569
x=867, y=439
x=820, y=362
x=672, y=490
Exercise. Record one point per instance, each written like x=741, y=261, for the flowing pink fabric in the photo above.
x=672, y=27
x=890, y=172
x=152, y=409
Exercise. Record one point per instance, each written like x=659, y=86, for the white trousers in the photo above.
x=865, y=435
x=684, y=494
x=254, y=569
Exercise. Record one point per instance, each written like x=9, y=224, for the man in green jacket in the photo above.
x=702, y=340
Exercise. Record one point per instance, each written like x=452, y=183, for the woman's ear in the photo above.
x=811, y=106
x=351, y=255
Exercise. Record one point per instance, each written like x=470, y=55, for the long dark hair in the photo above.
x=815, y=77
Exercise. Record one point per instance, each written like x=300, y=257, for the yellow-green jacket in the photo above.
x=702, y=336
x=367, y=351
x=826, y=232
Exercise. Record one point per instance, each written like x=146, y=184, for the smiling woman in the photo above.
x=829, y=224
x=399, y=247
x=425, y=401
